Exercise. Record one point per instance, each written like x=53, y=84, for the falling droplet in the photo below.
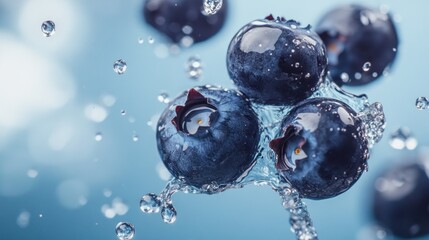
x=23, y=219
x=366, y=66
x=164, y=97
x=150, y=203
x=402, y=138
x=211, y=7
x=140, y=40
x=120, y=66
x=150, y=40
x=422, y=103
x=168, y=213
x=135, y=138
x=48, y=28
x=98, y=137
x=125, y=231
x=194, y=68
x=123, y=112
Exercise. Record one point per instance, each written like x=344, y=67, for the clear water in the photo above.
x=125, y=231
x=264, y=173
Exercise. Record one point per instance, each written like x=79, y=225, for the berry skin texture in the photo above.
x=208, y=135
x=171, y=17
x=320, y=148
x=401, y=199
x=274, y=61
x=355, y=35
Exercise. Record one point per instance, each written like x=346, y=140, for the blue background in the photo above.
x=73, y=69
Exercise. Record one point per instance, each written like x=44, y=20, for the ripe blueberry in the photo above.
x=320, y=148
x=274, y=61
x=208, y=135
x=401, y=199
x=361, y=42
x=180, y=18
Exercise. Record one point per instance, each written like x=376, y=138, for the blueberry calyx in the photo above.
x=196, y=114
x=288, y=148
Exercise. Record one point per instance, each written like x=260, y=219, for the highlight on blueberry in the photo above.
x=276, y=61
x=401, y=198
x=181, y=19
x=208, y=135
x=320, y=148
x=361, y=43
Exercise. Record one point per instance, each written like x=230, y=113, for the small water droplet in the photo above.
x=211, y=7
x=422, y=103
x=48, y=28
x=125, y=231
x=123, y=112
x=194, y=68
x=31, y=173
x=403, y=138
x=140, y=40
x=120, y=66
x=366, y=66
x=344, y=77
x=187, y=29
x=150, y=203
x=135, y=138
x=297, y=65
x=23, y=219
x=164, y=97
x=98, y=137
x=168, y=213
x=394, y=49
x=150, y=40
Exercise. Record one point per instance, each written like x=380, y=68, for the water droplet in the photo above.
x=187, y=29
x=422, y=103
x=140, y=40
x=366, y=66
x=186, y=41
x=23, y=219
x=194, y=68
x=123, y=112
x=135, y=138
x=125, y=231
x=402, y=138
x=164, y=97
x=211, y=7
x=120, y=66
x=296, y=41
x=168, y=213
x=358, y=76
x=394, y=49
x=344, y=77
x=297, y=65
x=150, y=40
x=98, y=137
x=31, y=173
x=150, y=203
x=48, y=28
x=373, y=123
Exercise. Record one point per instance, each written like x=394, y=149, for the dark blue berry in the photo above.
x=401, y=199
x=171, y=16
x=320, y=148
x=355, y=35
x=208, y=135
x=274, y=61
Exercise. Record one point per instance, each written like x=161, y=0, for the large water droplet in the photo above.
x=168, y=213
x=194, y=68
x=48, y=28
x=366, y=66
x=422, y=103
x=211, y=7
x=150, y=203
x=402, y=138
x=120, y=66
x=125, y=231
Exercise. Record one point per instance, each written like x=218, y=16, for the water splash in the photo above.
x=211, y=7
x=263, y=172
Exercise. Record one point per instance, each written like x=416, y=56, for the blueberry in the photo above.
x=180, y=18
x=401, y=199
x=355, y=36
x=274, y=61
x=321, y=149
x=208, y=135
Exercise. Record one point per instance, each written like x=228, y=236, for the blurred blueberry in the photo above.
x=401, y=198
x=207, y=135
x=180, y=18
x=320, y=148
x=274, y=61
x=361, y=42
